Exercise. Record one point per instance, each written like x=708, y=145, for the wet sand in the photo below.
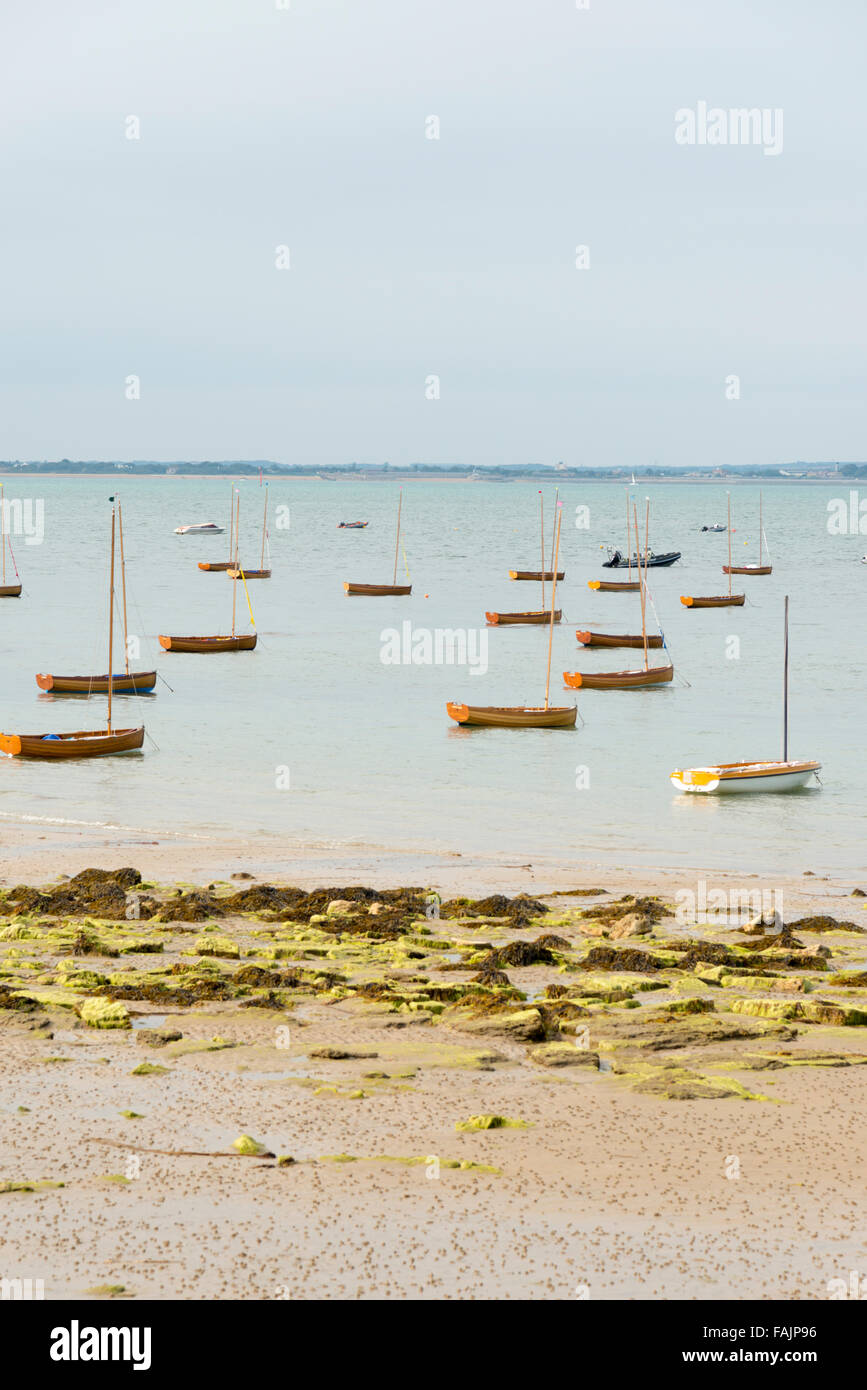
x=616, y=1185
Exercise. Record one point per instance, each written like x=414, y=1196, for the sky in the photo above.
x=431, y=309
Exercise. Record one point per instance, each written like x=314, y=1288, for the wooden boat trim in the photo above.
x=134, y=681
x=376, y=590
x=538, y=575
x=611, y=639
x=614, y=588
x=618, y=680
x=88, y=743
x=245, y=642
x=748, y=569
x=513, y=716
x=713, y=600
x=536, y=616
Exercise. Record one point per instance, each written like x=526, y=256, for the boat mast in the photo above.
x=641, y=582
x=760, y=530
x=123, y=585
x=111, y=623
x=237, y=527
x=397, y=540
x=786, y=680
x=556, y=505
x=542, y=524
x=264, y=522
x=728, y=495
x=553, y=599
x=3, y=531
x=232, y=524
x=629, y=538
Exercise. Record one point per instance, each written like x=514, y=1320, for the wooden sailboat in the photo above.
x=613, y=639
x=7, y=590
x=626, y=680
x=545, y=716
x=538, y=575
x=261, y=573
x=727, y=778
x=231, y=643
x=534, y=615
x=751, y=569
x=130, y=683
x=728, y=600
x=628, y=586
x=381, y=590
x=222, y=565
x=90, y=743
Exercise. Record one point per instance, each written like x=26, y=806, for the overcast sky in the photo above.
x=412, y=258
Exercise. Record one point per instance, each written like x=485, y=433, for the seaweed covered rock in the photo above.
x=563, y=1054
x=610, y=958
x=92, y=893
x=104, y=1013
x=520, y=910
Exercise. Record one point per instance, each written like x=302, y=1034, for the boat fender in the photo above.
x=46, y=738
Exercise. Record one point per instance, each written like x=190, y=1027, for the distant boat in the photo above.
x=537, y=575
x=216, y=565
x=384, y=590
x=352, y=525
x=536, y=615
x=751, y=569
x=728, y=600
x=200, y=528
x=713, y=528
x=617, y=561
x=219, y=643
x=545, y=716
x=726, y=778
x=264, y=572
x=7, y=590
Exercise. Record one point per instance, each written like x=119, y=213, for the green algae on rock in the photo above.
x=490, y=1122
x=249, y=1147
x=104, y=1013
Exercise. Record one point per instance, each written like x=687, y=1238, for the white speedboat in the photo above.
x=200, y=528
x=726, y=778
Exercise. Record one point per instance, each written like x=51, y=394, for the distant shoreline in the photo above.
x=396, y=477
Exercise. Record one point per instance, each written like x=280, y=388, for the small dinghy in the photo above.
x=713, y=528
x=769, y=776
x=651, y=561
x=384, y=590
x=229, y=642
x=728, y=600
x=7, y=590
x=544, y=576
x=537, y=616
x=352, y=525
x=613, y=639
x=200, y=528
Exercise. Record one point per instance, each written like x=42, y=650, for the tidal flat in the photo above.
x=244, y=1089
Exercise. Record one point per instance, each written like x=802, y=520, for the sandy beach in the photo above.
x=661, y=1126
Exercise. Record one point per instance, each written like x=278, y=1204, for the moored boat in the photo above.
x=131, y=683
x=243, y=643
x=612, y=587
x=728, y=778
x=6, y=590
x=537, y=616
x=352, y=525
x=384, y=590
x=617, y=680
x=613, y=639
x=514, y=716
x=200, y=528
x=712, y=600
x=759, y=568
x=544, y=576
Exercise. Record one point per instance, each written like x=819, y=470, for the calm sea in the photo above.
x=314, y=739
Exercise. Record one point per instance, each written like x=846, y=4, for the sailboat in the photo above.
x=379, y=590
x=224, y=564
x=262, y=573
x=232, y=643
x=751, y=569
x=626, y=680
x=130, y=683
x=91, y=743
x=782, y=776
x=7, y=590
x=535, y=615
x=545, y=716
x=612, y=586
x=728, y=600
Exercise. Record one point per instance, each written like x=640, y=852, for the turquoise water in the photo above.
x=312, y=738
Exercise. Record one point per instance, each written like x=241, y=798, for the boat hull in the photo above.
x=249, y=574
x=513, y=716
x=137, y=682
x=747, y=569
x=10, y=590
x=538, y=575
x=654, y=562
x=77, y=745
x=539, y=617
x=728, y=779
x=217, y=565
x=713, y=601
x=612, y=587
x=377, y=590
x=611, y=639
x=209, y=644
x=618, y=680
